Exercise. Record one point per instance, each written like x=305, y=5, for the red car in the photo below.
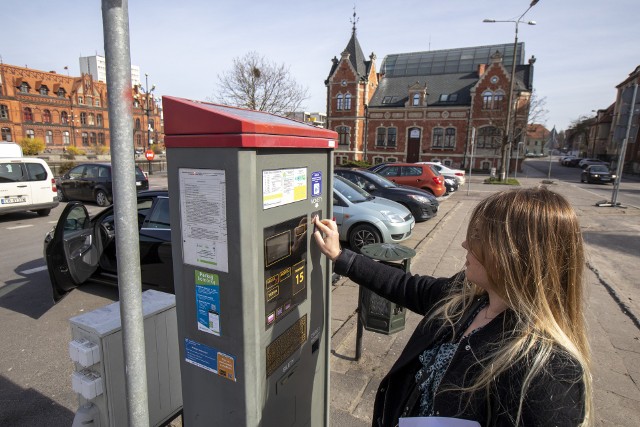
x=415, y=175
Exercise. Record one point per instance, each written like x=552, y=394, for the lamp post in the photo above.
x=510, y=108
x=147, y=110
x=515, y=172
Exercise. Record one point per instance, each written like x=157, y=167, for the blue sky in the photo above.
x=583, y=49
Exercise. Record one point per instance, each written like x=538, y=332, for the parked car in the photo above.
x=572, y=162
x=564, y=159
x=597, y=173
x=448, y=172
x=422, y=204
x=586, y=162
x=27, y=184
x=415, y=175
x=451, y=184
x=76, y=234
x=93, y=182
x=363, y=219
x=376, y=168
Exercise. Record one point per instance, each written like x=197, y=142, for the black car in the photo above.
x=93, y=182
x=451, y=184
x=597, y=173
x=422, y=204
x=81, y=249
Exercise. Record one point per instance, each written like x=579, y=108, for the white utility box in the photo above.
x=97, y=351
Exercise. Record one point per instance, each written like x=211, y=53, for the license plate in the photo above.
x=138, y=183
x=10, y=200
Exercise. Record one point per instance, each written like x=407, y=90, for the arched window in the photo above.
x=488, y=137
x=498, y=100
x=6, y=134
x=46, y=116
x=27, y=114
x=487, y=97
x=137, y=124
x=30, y=133
x=347, y=101
x=4, y=112
x=65, y=138
x=416, y=99
x=437, y=140
x=344, y=133
x=339, y=102
x=99, y=121
x=64, y=118
x=48, y=137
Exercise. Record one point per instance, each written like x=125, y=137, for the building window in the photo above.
x=486, y=100
x=339, y=102
x=64, y=118
x=137, y=124
x=92, y=120
x=343, y=135
x=139, y=140
x=46, y=116
x=498, y=100
x=48, y=137
x=83, y=118
x=386, y=137
x=27, y=114
x=65, y=137
x=24, y=87
x=44, y=90
x=80, y=100
x=97, y=103
x=92, y=138
x=378, y=160
x=99, y=121
x=30, y=133
x=61, y=93
x=450, y=138
x=6, y=134
x=101, y=139
x=4, y=112
x=151, y=124
x=416, y=99
x=347, y=102
x=488, y=137
x=136, y=103
x=436, y=140
x=85, y=139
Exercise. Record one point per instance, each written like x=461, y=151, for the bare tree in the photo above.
x=255, y=83
x=537, y=109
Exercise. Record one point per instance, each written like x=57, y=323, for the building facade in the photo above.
x=66, y=111
x=96, y=65
x=448, y=105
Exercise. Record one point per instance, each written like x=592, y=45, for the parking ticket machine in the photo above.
x=252, y=288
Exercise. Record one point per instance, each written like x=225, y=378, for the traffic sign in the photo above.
x=149, y=154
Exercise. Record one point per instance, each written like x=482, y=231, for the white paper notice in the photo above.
x=203, y=211
x=283, y=186
x=437, y=422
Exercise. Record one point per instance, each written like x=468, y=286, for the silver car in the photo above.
x=364, y=219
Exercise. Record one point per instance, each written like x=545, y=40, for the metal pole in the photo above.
x=515, y=172
x=620, y=166
x=115, y=18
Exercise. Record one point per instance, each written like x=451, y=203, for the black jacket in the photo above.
x=555, y=397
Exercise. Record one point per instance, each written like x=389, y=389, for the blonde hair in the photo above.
x=530, y=244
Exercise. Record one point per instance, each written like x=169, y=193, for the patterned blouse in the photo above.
x=435, y=361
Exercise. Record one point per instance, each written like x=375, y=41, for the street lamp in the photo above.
x=147, y=109
x=511, y=84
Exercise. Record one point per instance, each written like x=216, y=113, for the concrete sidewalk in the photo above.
x=611, y=280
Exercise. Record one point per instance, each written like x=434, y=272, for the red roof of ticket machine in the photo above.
x=199, y=124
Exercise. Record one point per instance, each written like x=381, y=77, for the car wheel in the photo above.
x=362, y=235
x=43, y=212
x=101, y=198
x=61, y=196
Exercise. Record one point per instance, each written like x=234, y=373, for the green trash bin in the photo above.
x=376, y=313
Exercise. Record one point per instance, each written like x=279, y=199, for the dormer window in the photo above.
x=44, y=90
x=24, y=87
x=453, y=97
x=61, y=93
x=416, y=100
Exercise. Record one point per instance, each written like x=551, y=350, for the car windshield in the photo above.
x=139, y=174
x=350, y=191
x=599, y=168
x=379, y=180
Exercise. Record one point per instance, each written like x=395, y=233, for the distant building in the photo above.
x=96, y=65
x=67, y=111
x=536, y=140
x=317, y=119
x=425, y=106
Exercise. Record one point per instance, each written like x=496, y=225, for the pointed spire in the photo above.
x=354, y=21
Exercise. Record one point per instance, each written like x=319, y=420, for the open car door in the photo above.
x=73, y=254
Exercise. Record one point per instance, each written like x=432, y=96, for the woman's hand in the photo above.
x=327, y=237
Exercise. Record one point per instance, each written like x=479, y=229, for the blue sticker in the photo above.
x=210, y=359
x=316, y=184
x=208, y=302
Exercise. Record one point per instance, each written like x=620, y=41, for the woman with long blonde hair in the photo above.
x=503, y=342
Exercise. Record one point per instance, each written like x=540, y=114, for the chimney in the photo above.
x=481, y=69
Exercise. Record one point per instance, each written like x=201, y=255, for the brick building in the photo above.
x=65, y=111
x=425, y=106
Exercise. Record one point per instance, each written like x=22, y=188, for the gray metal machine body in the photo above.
x=252, y=289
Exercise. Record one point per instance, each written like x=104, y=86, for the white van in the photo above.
x=10, y=149
x=27, y=184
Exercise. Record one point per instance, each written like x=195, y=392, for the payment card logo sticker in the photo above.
x=210, y=359
x=316, y=184
x=208, y=302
